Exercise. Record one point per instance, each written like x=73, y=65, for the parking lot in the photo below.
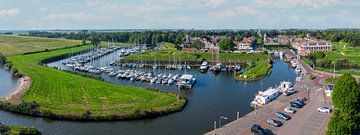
x=306, y=120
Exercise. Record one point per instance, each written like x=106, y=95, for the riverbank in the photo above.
x=24, y=84
x=61, y=95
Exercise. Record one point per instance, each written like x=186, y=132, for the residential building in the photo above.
x=245, y=44
x=279, y=40
x=308, y=45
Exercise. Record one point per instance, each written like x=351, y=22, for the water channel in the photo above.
x=212, y=96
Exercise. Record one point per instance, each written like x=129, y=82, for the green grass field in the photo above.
x=68, y=94
x=341, y=50
x=14, y=45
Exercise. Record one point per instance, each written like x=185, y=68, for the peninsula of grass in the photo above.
x=18, y=130
x=62, y=95
x=259, y=64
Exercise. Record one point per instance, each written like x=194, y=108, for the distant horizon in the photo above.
x=149, y=29
x=178, y=14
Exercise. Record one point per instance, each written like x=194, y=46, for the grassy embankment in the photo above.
x=58, y=94
x=259, y=64
x=342, y=51
x=15, y=45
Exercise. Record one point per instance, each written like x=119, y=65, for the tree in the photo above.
x=95, y=41
x=2, y=59
x=197, y=44
x=346, y=97
x=83, y=42
x=226, y=44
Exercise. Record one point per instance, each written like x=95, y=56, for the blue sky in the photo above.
x=178, y=14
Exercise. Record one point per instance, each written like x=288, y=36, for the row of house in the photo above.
x=245, y=45
x=279, y=40
x=304, y=46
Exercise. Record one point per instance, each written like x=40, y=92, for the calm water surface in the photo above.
x=7, y=82
x=212, y=96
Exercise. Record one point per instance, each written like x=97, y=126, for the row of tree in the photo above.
x=346, y=99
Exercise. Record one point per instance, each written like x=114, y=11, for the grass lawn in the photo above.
x=341, y=50
x=68, y=94
x=14, y=45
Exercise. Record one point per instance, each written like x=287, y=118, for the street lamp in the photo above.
x=221, y=117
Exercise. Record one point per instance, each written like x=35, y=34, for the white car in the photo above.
x=324, y=109
x=289, y=110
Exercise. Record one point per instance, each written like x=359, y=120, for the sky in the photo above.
x=178, y=14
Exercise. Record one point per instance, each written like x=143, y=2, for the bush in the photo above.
x=29, y=131
x=4, y=128
x=2, y=59
x=312, y=77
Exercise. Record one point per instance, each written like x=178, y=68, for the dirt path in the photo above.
x=22, y=86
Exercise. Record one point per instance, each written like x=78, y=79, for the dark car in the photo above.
x=299, y=102
x=274, y=122
x=281, y=115
x=296, y=105
x=257, y=130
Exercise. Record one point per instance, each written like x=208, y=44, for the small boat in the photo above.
x=153, y=80
x=264, y=97
x=186, y=81
x=158, y=81
x=171, y=81
x=204, y=66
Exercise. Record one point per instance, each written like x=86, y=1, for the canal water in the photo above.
x=212, y=96
x=7, y=82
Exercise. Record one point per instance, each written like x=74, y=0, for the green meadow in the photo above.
x=71, y=96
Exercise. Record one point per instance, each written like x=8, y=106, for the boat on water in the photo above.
x=294, y=64
x=186, y=81
x=264, y=97
x=217, y=68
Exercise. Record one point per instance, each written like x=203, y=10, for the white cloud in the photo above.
x=63, y=16
x=312, y=4
x=43, y=9
x=216, y=3
x=246, y=10
x=9, y=12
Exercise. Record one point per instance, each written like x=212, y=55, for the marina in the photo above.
x=205, y=103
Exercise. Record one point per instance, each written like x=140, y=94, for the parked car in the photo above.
x=283, y=116
x=289, y=110
x=296, y=105
x=289, y=92
x=299, y=102
x=324, y=109
x=274, y=122
x=257, y=130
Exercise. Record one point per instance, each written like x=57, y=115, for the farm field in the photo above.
x=71, y=96
x=15, y=45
